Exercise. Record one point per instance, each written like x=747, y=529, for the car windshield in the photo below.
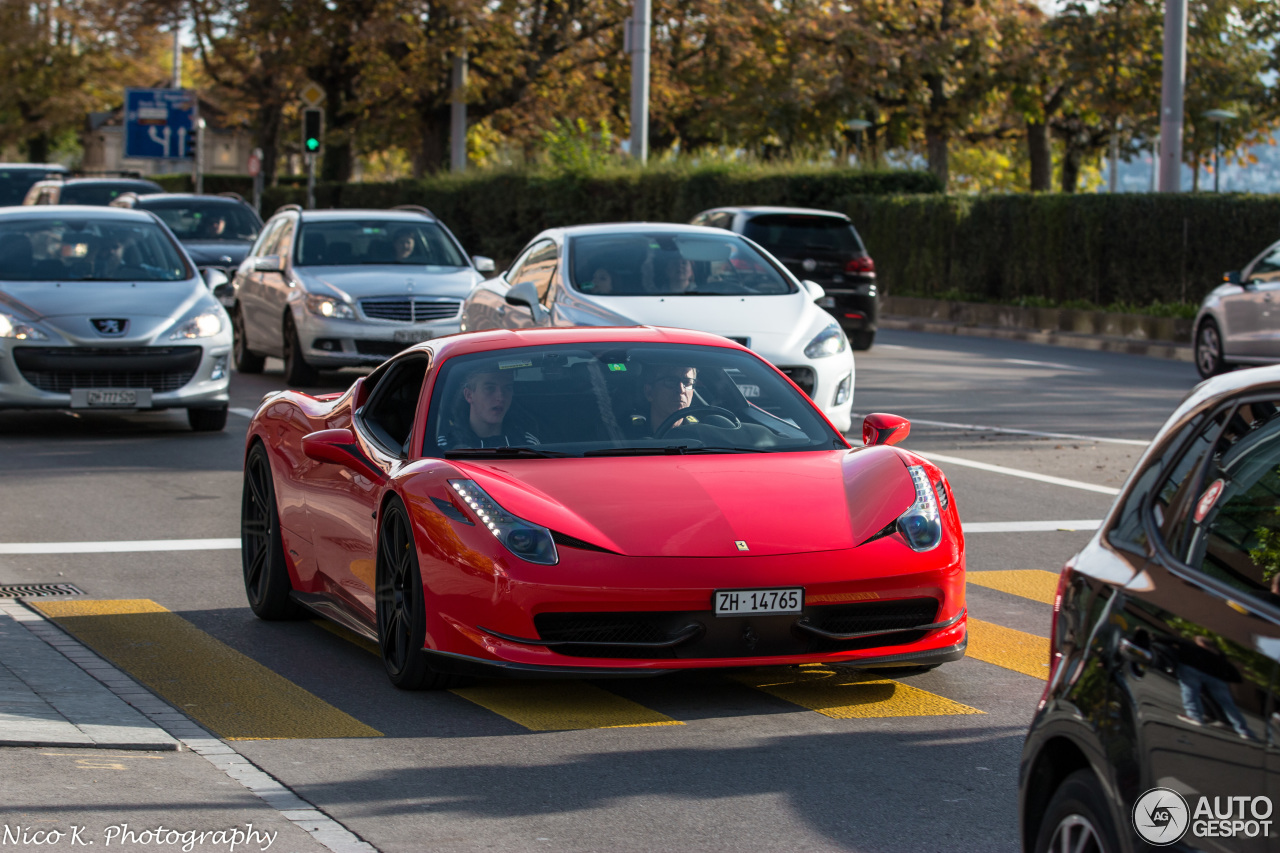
x=672, y=264
x=376, y=241
x=618, y=399
x=206, y=220
x=43, y=249
x=787, y=234
x=14, y=183
x=102, y=193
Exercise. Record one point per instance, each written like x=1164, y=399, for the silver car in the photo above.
x=1239, y=322
x=102, y=309
x=340, y=288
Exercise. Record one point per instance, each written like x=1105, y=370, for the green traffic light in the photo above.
x=313, y=144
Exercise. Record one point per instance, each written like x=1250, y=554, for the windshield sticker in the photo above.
x=618, y=368
x=1208, y=499
x=514, y=364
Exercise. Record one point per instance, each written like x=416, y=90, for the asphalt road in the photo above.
x=763, y=760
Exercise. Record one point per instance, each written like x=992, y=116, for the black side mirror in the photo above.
x=1232, y=277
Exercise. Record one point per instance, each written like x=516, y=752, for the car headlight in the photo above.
x=330, y=308
x=921, y=524
x=205, y=325
x=13, y=327
x=828, y=342
x=526, y=540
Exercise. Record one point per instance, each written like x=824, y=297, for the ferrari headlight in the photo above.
x=526, y=540
x=330, y=308
x=13, y=327
x=205, y=325
x=828, y=342
x=921, y=524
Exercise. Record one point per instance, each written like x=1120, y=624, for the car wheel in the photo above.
x=207, y=420
x=861, y=340
x=1077, y=818
x=246, y=360
x=401, y=606
x=266, y=576
x=296, y=369
x=1209, y=360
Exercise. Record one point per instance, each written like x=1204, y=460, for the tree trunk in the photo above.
x=338, y=159
x=433, y=152
x=1195, y=171
x=268, y=139
x=38, y=148
x=1041, y=156
x=936, y=132
x=1071, y=160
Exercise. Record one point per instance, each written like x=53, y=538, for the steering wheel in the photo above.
x=680, y=414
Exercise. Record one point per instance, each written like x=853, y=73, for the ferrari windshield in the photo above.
x=88, y=249
x=376, y=241
x=618, y=399
x=661, y=263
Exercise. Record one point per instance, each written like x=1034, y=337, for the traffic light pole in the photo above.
x=311, y=182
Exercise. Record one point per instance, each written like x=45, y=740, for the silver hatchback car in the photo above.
x=1239, y=321
x=342, y=288
x=102, y=309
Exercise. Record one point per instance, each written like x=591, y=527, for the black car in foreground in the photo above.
x=821, y=246
x=1159, y=725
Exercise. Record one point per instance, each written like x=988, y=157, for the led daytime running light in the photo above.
x=526, y=540
x=921, y=524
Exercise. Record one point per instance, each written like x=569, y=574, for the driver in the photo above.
x=667, y=389
x=480, y=415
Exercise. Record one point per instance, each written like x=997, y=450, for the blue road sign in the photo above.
x=158, y=123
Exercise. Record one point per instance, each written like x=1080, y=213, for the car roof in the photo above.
x=35, y=167
x=341, y=214
x=500, y=339
x=120, y=180
x=74, y=211
x=766, y=210
x=149, y=198
x=632, y=228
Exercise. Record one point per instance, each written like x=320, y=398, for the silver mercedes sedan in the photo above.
x=102, y=309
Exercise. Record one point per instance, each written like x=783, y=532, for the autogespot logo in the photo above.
x=1160, y=816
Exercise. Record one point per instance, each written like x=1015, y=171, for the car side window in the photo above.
x=721, y=220
x=284, y=242
x=267, y=240
x=538, y=266
x=388, y=416
x=1234, y=532
x=1129, y=531
x=1269, y=262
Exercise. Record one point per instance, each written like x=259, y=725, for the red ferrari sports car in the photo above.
x=597, y=502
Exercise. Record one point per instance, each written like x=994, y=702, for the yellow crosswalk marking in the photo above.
x=848, y=694
x=228, y=693
x=1034, y=584
x=1015, y=650
x=562, y=706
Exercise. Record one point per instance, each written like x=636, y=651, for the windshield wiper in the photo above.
x=669, y=450
x=725, y=450
x=502, y=453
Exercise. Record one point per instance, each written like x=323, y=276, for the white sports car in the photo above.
x=674, y=275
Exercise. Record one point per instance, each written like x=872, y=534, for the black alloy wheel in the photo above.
x=207, y=420
x=246, y=360
x=266, y=575
x=401, y=606
x=1209, y=361
x=861, y=340
x=1077, y=819
x=296, y=369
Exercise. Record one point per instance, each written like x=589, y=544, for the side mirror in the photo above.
x=269, y=263
x=881, y=428
x=214, y=277
x=1232, y=277
x=483, y=264
x=526, y=295
x=225, y=293
x=335, y=446
x=815, y=290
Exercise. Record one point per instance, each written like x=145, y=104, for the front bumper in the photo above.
x=329, y=343
x=822, y=379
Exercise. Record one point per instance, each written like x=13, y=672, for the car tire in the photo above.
x=262, y=558
x=246, y=360
x=1209, y=360
x=207, y=420
x=861, y=340
x=296, y=369
x=400, y=605
x=1077, y=818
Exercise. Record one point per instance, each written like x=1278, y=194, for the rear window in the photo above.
x=783, y=233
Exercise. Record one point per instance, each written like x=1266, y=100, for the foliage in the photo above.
x=575, y=146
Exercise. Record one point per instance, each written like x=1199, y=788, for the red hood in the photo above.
x=700, y=506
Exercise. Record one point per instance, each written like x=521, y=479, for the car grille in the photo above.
x=406, y=310
x=740, y=636
x=58, y=370
x=384, y=348
x=802, y=376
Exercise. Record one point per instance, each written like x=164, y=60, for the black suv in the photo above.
x=93, y=191
x=817, y=245
x=1159, y=725
x=17, y=178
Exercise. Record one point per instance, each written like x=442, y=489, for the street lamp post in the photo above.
x=1217, y=117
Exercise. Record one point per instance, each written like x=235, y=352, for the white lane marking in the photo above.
x=1010, y=430
x=1030, y=526
x=1054, y=364
x=244, y=413
x=1016, y=472
x=119, y=546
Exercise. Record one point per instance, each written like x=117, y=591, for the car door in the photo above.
x=1262, y=294
x=250, y=291
x=277, y=287
x=341, y=500
x=1194, y=623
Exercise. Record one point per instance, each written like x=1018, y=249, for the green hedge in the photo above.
x=1106, y=249
x=496, y=213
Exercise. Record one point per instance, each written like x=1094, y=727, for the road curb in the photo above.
x=1098, y=343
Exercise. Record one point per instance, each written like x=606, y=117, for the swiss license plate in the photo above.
x=737, y=602
x=413, y=336
x=111, y=398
